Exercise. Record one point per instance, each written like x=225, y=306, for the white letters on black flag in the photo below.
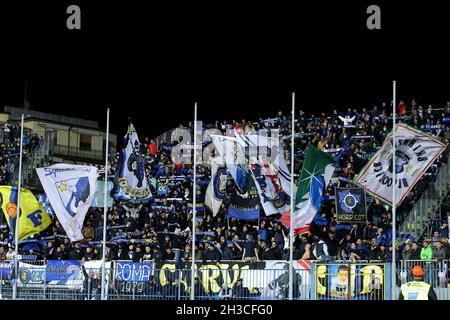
x=415, y=152
x=70, y=189
x=132, y=180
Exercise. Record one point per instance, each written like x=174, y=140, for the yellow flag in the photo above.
x=33, y=217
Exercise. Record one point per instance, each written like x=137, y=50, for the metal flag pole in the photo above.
x=105, y=210
x=194, y=206
x=291, y=229
x=394, y=204
x=16, y=244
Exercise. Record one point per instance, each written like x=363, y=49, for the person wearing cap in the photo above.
x=417, y=289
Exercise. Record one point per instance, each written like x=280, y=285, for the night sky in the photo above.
x=152, y=63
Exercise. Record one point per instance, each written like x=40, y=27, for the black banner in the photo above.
x=350, y=205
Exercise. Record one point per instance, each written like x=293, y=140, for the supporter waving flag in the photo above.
x=316, y=173
x=132, y=183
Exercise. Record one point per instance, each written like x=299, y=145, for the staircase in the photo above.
x=30, y=178
x=427, y=208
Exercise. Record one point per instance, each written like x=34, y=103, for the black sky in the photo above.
x=152, y=62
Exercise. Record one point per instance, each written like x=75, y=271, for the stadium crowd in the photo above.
x=10, y=149
x=160, y=230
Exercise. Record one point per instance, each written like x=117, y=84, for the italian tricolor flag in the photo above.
x=316, y=173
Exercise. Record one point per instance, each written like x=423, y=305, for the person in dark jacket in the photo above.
x=210, y=253
x=273, y=253
x=382, y=252
x=92, y=284
x=89, y=255
x=239, y=291
x=60, y=254
x=415, y=251
x=406, y=252
x=76, y=253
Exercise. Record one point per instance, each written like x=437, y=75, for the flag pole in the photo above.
x=194, y=206
x=394, y=204
x=105, y=210
x=16, y=244
x=291, y=229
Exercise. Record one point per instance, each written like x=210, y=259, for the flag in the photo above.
x=273, y=199
x=98, y=201
x=70, y=189
x=163, y=186
x=215, y=193
x=234, y=159
x=33, y=217
x=415, y=152
x=263, y=154
x=316, y=173
x=350, y=205
x=132, y=184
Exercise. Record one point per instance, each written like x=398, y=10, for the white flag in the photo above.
x=415, y=152
x=270, y=149
x=215, y=193
x=265, y=155
x=233, y=155
x=70, y=190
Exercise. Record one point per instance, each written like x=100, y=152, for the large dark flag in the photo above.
x=245, y=205
x=350, y=205
x=132, y=184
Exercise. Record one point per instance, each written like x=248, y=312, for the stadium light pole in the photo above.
x=394, y=204
x=194, y=206
x=291, y=229
x=16, y=244
x=105, y=209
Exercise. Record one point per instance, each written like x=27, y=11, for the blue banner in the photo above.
x=200, y=207
x=62, y=271
x=134, y=271
x=243, y=213
x=6, y=269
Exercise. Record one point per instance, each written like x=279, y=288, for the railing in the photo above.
x=427, y=207
x=34, y=160
x=437, y=275
x=237, y=280
x=16, y=113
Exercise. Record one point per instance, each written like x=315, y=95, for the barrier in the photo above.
x=351, y=281
x=437, y=275
x=236, y=280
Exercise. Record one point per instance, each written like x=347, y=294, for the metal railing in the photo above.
x=61, y=150
x=34, y=160
x=16, y=113
x=164, y=284
x=350, y=281
x=231, y=280
x=437, y=274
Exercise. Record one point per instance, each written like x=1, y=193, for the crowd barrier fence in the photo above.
x=227, y=280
